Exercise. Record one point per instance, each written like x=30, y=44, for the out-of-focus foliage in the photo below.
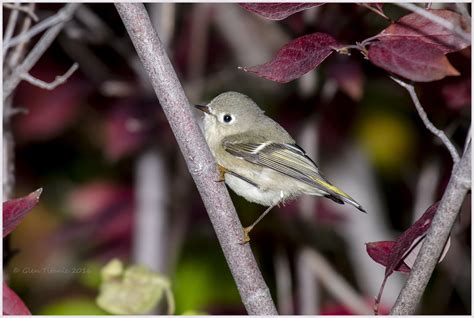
x=132, y=291
x=81, y=143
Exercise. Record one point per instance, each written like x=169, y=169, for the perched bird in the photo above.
x=258, y=159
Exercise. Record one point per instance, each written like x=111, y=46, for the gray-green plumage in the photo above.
x=251, y=145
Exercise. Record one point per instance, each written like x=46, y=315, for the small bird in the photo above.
x=258, y=159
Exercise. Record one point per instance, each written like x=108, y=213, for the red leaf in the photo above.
x=413, y=59
x=15, y=210
x=349, y=77
x=404, y=242
x=277, y=11
x=414, y=26
x=12, y=304
x=393, y=254
x=381, y=251
x=296, y=58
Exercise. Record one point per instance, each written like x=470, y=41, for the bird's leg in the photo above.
x=247, y=229
x=222, y=172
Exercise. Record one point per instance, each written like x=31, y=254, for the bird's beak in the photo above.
x=202, y=108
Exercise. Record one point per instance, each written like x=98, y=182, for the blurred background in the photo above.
x=115, y=184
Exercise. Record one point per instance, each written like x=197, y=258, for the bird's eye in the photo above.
x=227, y=118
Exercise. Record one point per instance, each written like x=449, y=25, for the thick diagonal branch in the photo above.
x=252, y=288
x=453, y=197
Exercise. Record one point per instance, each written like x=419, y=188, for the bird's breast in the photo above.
x=254, y=194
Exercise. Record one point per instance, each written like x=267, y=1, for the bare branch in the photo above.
x=43, y=44
x=252, y=288
x=335, y=283
x=17, y=54
x=62, y=16
x=25, y=9
x=57, y=81
x=376, y=11
x=433, y=245
x=10, y=28
x=436, y=19
x=424, y=117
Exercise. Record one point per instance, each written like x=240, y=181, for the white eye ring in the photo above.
x=227, y=118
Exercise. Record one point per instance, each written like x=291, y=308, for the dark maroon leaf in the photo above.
x=404, y=242
x=349, y=77
x=381, y=251
x=457, y=94
x=277, y=11
x=296, y=58
x=413, y=59
x=16, y=209
x=12, y=304
x=392, y=254
x=414, y=26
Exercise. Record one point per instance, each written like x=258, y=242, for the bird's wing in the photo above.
x=288, y=159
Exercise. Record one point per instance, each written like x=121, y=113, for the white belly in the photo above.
x=254, y=194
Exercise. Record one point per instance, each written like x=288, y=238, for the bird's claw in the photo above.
x=222, y=172
x=246, y=238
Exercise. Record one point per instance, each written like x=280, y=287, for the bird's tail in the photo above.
x=337, y=195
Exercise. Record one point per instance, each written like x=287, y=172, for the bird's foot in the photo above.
x=222, y=172
x=246, y=238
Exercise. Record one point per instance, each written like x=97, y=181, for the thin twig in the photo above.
x=10, y=28
x=25, y=9
x=62, y=16
x=57, y=81
x=436, y=19
x=336, y=284
x=424, y=117
x=252, y=288
x=43, y=44
x=458, y=186
x=19, y=50
x=380, y=13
